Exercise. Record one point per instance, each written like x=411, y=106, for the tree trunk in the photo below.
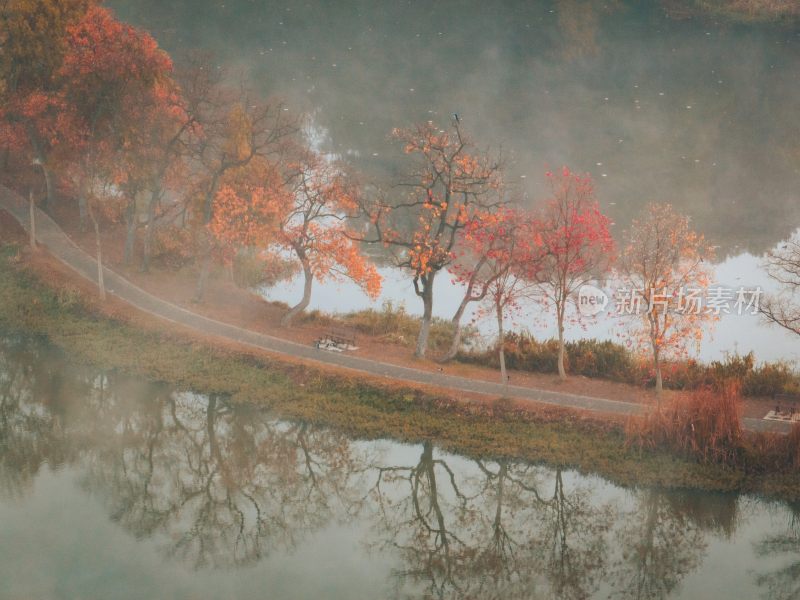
x=657, y=367
x=455, y=344
x=130, y=233
x=32, y=217
x=205, y=266
x=149, y=231
x=50, y=191
x=308, y=276
x=49, y=186
x=202, y=279
x=562, y=372
x=501, y=345
x=427, y=316
x=82, y=211
x=101, y=285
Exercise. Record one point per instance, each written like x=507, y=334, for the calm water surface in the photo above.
x=658, y=101
x=112, y=487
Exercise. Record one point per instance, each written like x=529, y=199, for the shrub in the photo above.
x=591, y=358
x=769, y=379
x=704, y=424
x=769, y=452
x=766, y=379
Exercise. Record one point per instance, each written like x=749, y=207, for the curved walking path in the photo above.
x=49, y=234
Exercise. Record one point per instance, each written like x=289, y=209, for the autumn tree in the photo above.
x=33, y=41
x=511, y=273
x=484, y=241
x=450, y=183
x=783, y=266
x=503, y=253
x=576, y=243
x=177, y=127
x=108, y=70
x=664, y=268
x=236, y=127
x=298, y=209
x=164, y=124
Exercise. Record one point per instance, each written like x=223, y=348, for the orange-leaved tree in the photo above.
x=449, y=184
x=165, y=124
x=665, y=270
x=236, y=127
x=33, y=115
x=108, y=71
x=576, y=243
x=512, y=247
x=299, y=208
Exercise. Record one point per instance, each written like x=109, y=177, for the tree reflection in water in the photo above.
x=224, y=484
x=664, y=539
x=782, y=583
x=221, y=485
x=491, y=532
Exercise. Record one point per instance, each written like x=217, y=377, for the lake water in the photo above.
x=733, y=333
x=113, y=487
x=658, y=100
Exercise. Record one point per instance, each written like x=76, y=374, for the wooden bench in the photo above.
x=337, y=339
x=786, y=403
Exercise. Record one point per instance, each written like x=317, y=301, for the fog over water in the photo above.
x=658, y=103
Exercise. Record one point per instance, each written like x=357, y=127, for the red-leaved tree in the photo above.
x=577, y=245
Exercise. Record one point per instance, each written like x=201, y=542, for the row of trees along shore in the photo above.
x=93, y=111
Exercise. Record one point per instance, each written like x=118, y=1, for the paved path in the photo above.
x=63, y=248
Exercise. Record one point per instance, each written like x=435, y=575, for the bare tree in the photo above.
x=783, y=265
x=449, y=184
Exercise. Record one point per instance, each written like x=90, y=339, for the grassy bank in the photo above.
x=369, y=410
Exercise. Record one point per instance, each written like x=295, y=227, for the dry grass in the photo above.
x=705, y=424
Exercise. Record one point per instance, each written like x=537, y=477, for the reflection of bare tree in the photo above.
x=223, y=483
x=573, y=540
x=488, y=532
x=420, y=523
x=663, y=541
x=31, y=430
x=782, y=583
x=218, y=484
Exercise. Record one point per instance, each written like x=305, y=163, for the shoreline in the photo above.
x=223, y=324
x=137, y=344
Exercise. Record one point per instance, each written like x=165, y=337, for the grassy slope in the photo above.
x=296, y=391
